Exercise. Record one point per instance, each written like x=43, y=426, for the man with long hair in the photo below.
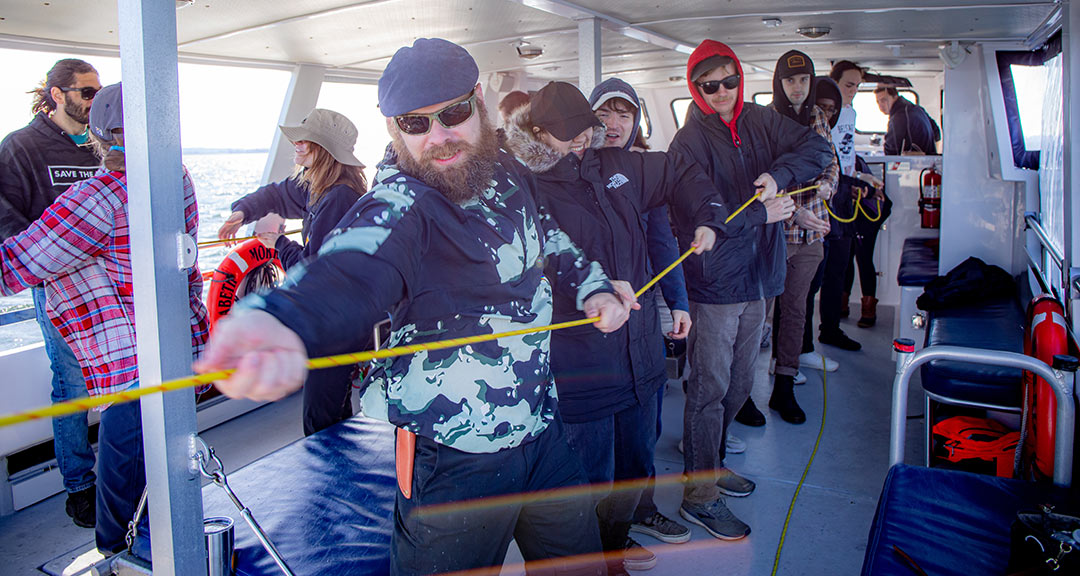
x=451, y=242
x=37, y=163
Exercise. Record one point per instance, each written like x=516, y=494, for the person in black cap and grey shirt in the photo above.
x=37, y=164
x=327, y=182
x=607, y=382
x=450, y=241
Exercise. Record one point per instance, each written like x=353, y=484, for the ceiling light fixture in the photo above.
x=772, y=22
x=528, y=51
x=814, y=32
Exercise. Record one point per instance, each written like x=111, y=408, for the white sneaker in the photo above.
x=800, y=378
x=813, y=360
x=734, y=444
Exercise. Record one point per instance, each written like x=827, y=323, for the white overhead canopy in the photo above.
x=645, y=41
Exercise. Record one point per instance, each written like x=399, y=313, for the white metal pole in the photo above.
x=590, y=50
x=156, y=211
x=1070, y=85
x=300, y=98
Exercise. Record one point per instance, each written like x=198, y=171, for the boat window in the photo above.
x=1024, y=78
x=679, y=108
x=645, y=125
x=763, y=98
x=1051, y=156
x=358, y=102
x=869, y=119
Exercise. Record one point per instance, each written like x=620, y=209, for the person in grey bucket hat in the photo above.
x=327, y=182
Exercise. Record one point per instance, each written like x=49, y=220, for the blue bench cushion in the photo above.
x=326, y=502
x=994, y=326
x=918, y=262
x=951, y=522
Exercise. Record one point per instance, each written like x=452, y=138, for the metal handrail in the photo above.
x=16, y=316
x=1033, y=223
x=1060, y=381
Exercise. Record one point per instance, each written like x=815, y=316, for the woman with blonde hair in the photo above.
x=328, y=180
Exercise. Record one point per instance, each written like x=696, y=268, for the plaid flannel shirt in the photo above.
x=810, y=200
x=80, y=250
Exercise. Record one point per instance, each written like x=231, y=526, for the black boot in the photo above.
x=839, y=339
x=749, y=415
x=82, y=507
x=783, y=400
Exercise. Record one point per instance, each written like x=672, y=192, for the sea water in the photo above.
x=220, y=179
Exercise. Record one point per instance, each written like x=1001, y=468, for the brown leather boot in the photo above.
x=845, y=304
x=869, y=312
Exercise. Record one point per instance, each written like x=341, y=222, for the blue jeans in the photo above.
x=446, y=525
x=74, y=455
x=617, y=447
x=123, y=476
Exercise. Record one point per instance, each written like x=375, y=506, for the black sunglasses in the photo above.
x=87, y=92
x=452, y=115
x=710, y=87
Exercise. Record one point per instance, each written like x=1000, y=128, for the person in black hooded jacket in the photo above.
x=749, y=151
x=607, y=385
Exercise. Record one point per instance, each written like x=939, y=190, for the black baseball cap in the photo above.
x=562, y=110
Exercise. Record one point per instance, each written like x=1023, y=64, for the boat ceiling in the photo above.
x=644, y=41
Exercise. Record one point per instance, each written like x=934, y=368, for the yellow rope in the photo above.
x=854, y=213
x=859, y=208
x=83, y=404
x=798, y=488
x=209, y=243
x=758, y=195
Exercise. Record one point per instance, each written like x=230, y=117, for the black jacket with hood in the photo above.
x=752, y=266
x=37, y=164
x=910, y=129
x=598, y=201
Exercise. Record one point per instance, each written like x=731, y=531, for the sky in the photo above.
x=220, y=106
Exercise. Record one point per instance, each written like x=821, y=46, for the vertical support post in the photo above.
x=905, y=349
x=300, y=98
x=589, y=51
x=152, y=141
x=1070, y=86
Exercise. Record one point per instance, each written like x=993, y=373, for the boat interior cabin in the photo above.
x=919, y=450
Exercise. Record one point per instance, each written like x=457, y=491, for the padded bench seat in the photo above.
x=326, y=502
x=994, y=326
x=951, y=522
x=918, y=261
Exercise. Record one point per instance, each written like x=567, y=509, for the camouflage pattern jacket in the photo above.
x=444, y=270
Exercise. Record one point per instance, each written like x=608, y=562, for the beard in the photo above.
x=76, y=111
x=472, y=174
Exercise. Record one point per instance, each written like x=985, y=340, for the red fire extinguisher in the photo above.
x=930, y=197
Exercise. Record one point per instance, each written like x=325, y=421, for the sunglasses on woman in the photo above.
x=87, y=92
x=452, y=115
x=710, y=87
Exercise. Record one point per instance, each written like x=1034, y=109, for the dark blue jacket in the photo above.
x=751, y=266
x=663, y=248
x=910, y=129
x=599, y=201
x=289, y=199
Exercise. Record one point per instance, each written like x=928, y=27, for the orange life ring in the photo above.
x=1046, y=337
x=227, y=283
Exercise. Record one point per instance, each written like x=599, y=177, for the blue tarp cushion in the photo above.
x=950, y=522
x=994, y=326
x=918, y=262
x=326, y=502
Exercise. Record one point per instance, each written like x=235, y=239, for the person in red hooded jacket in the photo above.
x=747, y=150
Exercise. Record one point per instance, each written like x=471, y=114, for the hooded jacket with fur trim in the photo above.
x=598, y=201
x=757, y=140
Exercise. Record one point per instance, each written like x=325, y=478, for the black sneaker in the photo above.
x=840, y=340
x=663, y=529
x=82, y=507
x=749, y=415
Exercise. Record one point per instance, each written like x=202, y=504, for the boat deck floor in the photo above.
x=828, y=526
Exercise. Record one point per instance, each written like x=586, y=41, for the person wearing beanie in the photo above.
x=607, y=383
x=616, y=104
x=326, y=183
x=80, y=250
x=748, y=151
x=793, y=97
x=451, y=242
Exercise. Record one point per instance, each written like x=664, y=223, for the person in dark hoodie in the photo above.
x=747, y=150
x=327, y=182
x=830, y=273
x=911, y=130
x=793, y=96
x=607, y=385
x=616, y=104
x=37, y=164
